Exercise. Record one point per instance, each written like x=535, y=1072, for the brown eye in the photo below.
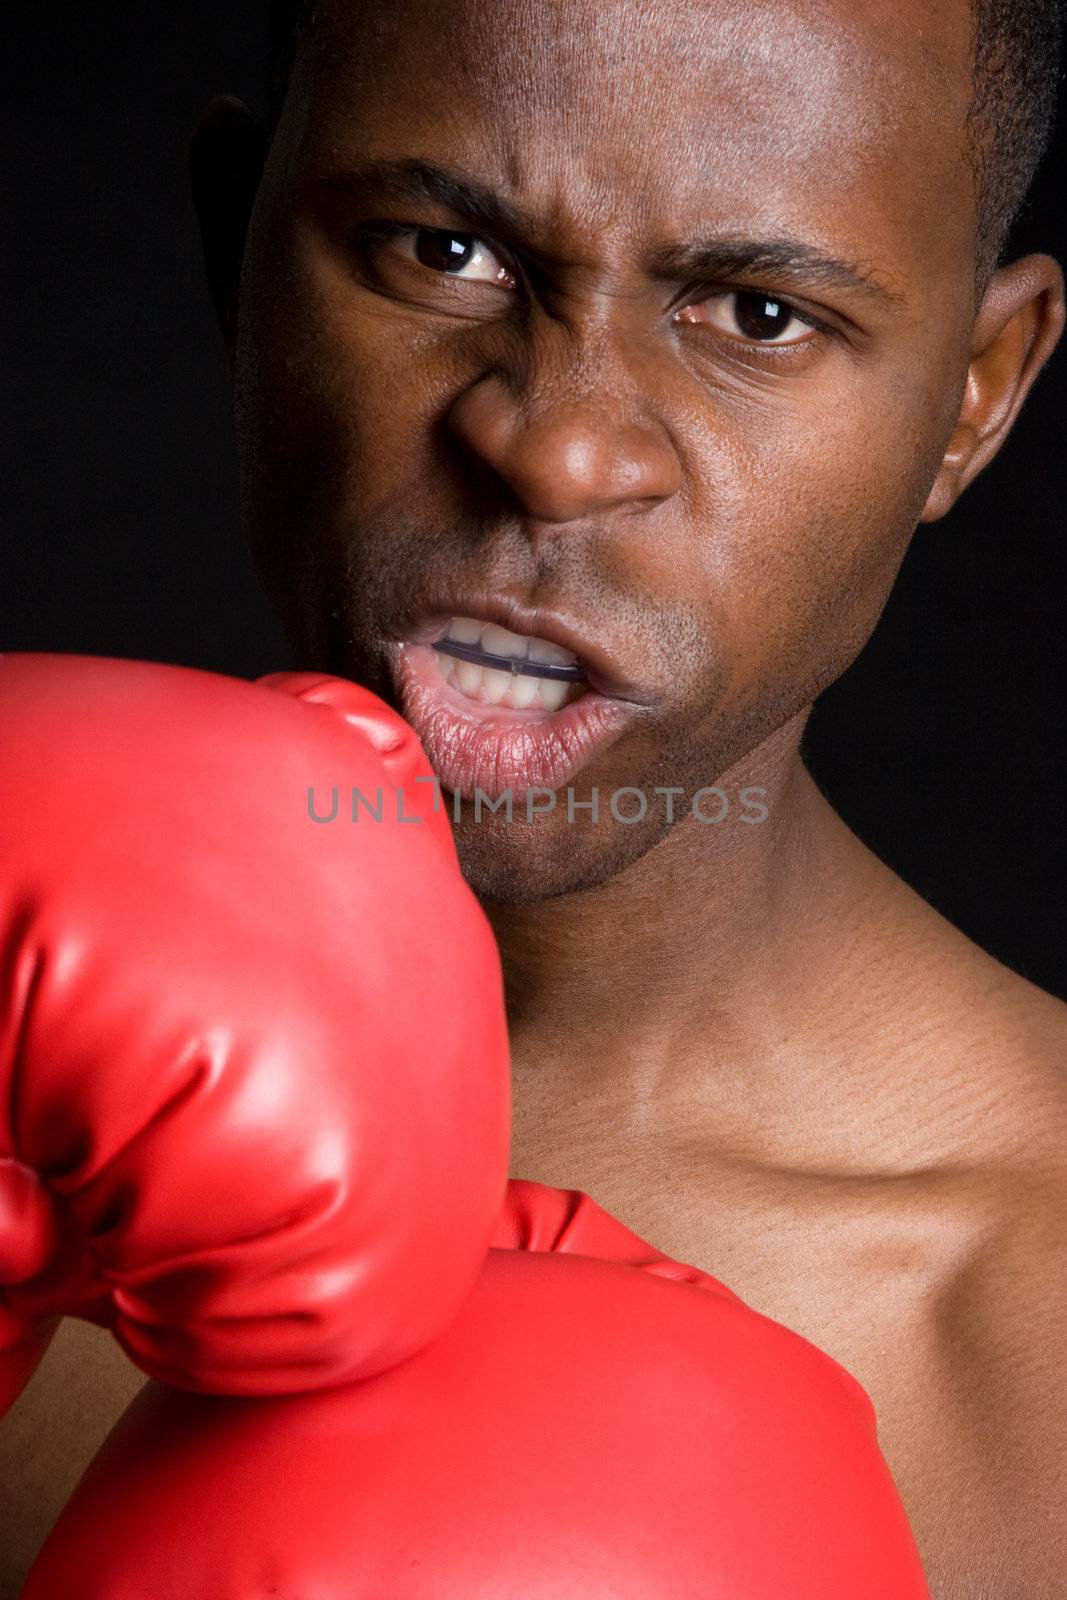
x=760, y=318
x=753, y=317
x=443, y=250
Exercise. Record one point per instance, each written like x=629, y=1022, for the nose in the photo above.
x=570, y=449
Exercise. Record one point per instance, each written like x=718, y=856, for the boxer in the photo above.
x=256, y=1095
x=610, y=355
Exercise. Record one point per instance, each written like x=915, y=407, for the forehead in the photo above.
x=783, y=115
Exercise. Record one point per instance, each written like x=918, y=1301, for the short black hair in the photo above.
x=1016, y=75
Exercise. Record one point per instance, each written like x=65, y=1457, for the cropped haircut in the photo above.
x=1015, y=73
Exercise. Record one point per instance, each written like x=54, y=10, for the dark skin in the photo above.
x=753, y=1043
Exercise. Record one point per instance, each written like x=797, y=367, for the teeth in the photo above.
x=553, y=654
x=517, y=691
x=465, y=630
x=555, y=695
x=495, y=685
x=497, y=641
x=552, y=695
x=469, y=677
x=525, y=690
x=502, y=642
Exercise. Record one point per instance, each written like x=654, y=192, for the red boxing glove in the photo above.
x=568, y=1222
x=255, y=1109
x=584, y=1428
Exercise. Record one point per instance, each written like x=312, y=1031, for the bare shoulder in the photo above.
x=1032, y=1034
x=1003, y=1312
x=994, y=1043
x=982, y=1457
x=51, y=1434
x=1026, y=1049
x=1001, y=1370
x=1016, y=1288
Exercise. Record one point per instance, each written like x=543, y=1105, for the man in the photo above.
x=649, y=335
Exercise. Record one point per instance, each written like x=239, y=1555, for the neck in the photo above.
x=706, y=948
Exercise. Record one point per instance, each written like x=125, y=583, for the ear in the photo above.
x=225, y=165
x=1017, y=328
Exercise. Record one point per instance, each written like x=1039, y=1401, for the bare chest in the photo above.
x=949, y=1309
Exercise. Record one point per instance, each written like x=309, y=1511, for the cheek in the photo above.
x=328, y=412
x=806, y=523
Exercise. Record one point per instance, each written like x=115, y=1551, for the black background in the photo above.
x=941, y=747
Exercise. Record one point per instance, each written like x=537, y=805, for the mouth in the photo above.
x=498, y=710
x=520, y=641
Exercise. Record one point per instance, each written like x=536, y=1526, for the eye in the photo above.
x=458, y=255
x=752, y=316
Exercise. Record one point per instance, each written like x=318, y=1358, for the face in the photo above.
x=639, y=330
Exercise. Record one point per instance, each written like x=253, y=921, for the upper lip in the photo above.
x=556, y=626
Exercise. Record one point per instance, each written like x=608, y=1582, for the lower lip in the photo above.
x=493, y=749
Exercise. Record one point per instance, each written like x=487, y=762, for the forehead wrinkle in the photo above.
x=720, y=254
x=733, y=255
x=555, y=96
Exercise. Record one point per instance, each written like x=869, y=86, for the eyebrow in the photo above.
x=422, y=180
x=718, y=256
x=789, y=261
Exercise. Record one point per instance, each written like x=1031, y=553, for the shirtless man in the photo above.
x=652, y=332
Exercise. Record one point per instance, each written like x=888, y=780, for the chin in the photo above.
x=522, y=863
